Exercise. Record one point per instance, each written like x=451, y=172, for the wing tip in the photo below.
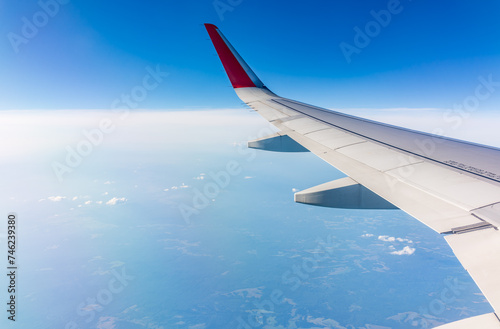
x=238, y=71
x=210, y=25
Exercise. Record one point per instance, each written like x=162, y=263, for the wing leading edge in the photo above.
x=450, y=185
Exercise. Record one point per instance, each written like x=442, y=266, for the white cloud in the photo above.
x=177, y=187
x=198, y=326
x=56, y=198
x=106, y=322
x=405, y=251
x=88, y=202
x=116, y=201
x=247, y=293
x=387, y=238
x=116, y=263
x=340, y=270
x=354, y=308
x=367, y=235
x=93, y=307
x=374, y=326
x=328, y=323
x=74, y=198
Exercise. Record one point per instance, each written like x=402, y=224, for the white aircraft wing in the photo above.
x=450, y=185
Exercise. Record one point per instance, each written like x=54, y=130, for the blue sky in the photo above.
x=87, y=55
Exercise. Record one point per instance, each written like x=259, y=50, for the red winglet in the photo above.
x=237, y=70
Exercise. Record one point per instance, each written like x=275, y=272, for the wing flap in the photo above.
x=479, y=251
x=379, y=157
x=490, y=213
x=334, y=138
x=304, y=125
x=462, y=190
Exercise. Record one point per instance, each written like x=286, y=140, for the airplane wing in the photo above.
x=450, y=185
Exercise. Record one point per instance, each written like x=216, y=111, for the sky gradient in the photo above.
x=87, y=55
